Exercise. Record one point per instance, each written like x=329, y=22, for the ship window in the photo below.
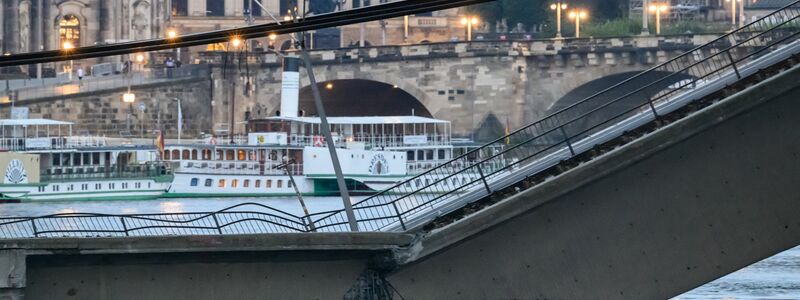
x=420, y=155
x=56, y=159
x=222, y=183
x=86, y=158
x=219, y=155
x=410, y=155
x=441, y=153
x=206, y=154
x=176, y=155
x=185, y=155
x=208, y=182
x=194, y=182
x=194, y=154
x=166, y=155
x=246, y=183
x=289, y=184
x=96, y=158
x=76, y=159
x=234, y=183
x=98, y=186
x=258, y=183
x=241, y=155
x=229, y=155
x=429, y=155
x=269, y=184
x=280, y=183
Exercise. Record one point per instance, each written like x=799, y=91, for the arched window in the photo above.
x=185, y=155
x=176, y=155
x=194, y=154
x=166, y=155
x=69, y=30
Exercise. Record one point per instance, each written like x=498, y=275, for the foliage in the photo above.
x=617, y=27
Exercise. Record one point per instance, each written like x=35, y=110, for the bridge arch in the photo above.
x=363, y=97
x=599, y=110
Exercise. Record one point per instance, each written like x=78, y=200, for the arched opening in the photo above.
x=176, y=155
x=69, y=31
x=358, y=97
x=600, y=109
x=490, y=129
x=185, y=155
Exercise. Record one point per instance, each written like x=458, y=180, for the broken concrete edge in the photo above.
x=429, y=243
x=355, y=241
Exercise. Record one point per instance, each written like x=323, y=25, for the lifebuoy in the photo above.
x=212, y=141
x=318, y=141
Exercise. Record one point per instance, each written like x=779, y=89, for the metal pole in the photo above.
x=287, y=165
x=645, y=29
x=180, y=121
x=326, y=131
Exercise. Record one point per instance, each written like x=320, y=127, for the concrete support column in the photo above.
x=12, y=274
x=2, y=26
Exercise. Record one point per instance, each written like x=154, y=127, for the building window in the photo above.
x=208, y=182
x=180, y=8
x=69, y=30
x=222, y=183
x=194, y=182
x=256, y=9
x=215, y=8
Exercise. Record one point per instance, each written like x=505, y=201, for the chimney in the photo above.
x=290, y=87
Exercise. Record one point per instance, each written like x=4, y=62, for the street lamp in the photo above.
x=172, y=34
x=129, y=98
x=469, y=22
x=733, y=11
x=658, y=8
x=577, y=15
x=558, y=7
x=236, y=42
x=67, y=46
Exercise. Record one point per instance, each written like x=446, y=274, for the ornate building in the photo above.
x=33, y=25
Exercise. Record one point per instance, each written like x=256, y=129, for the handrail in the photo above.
x=526, y=152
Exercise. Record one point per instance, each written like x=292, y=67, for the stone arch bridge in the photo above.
x=483, y=85
x=513, y=83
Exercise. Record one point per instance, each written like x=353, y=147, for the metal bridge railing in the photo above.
x=497, y=165
x=576, y=128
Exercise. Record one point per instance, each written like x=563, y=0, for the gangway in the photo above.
x=532, y=151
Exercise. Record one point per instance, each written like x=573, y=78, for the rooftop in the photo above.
x=365, y=120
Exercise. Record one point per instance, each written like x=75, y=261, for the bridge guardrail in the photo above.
x=476, y=174
x=574, y=129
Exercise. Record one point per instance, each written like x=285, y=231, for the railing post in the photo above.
x=483, y=178
x=733, y=63
x=124, y=227
x=566, y=138
x=33, y=225
x=399, y=216
x=219, y=229
x=652, y=107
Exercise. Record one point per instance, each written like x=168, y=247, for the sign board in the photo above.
x=415, y=139
x=19, y=112
x=38, y=143
x=267, y=138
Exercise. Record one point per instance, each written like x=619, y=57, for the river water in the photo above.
x=777, y=277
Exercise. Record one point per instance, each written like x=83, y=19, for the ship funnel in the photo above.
x=290, y=87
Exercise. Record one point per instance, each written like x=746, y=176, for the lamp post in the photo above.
x=558, y=7
x=129, y=98
x=577, y=15
x=733, y=11
x=645, y=21
x=67, y=47
x=658, y=8
x=172, y=34
x=469, y=22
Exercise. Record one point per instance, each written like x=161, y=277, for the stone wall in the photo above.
x=104, y=113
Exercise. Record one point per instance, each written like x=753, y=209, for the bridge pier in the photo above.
x=13, y=276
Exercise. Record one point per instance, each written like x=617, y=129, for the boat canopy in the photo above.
x=32, y=122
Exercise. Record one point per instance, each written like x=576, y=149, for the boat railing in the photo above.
x=48, y=143
x=235, y=167
x=370, y=141
x=417, y=167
